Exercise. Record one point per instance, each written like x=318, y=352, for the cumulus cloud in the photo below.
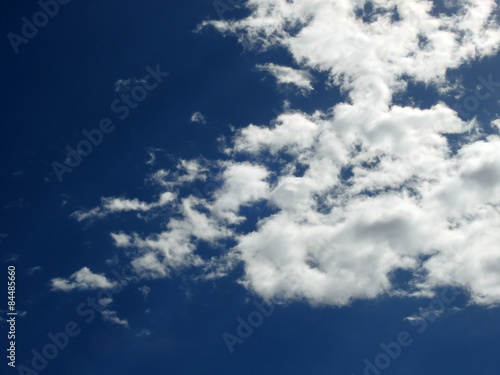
x=288, y=76
x=343, y=199
x=83, y=279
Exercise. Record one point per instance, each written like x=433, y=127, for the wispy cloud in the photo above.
x=83, y=279
x=199, y=118
x=124, y=85
x=33, y=270
x=116, y=205
x=145, y=290
x=112, y=317
x=288, y=76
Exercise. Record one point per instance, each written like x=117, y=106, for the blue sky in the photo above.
x=326, y=171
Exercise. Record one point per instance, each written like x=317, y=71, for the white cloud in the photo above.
x=84, y=279
x=124, y=85
x=199, y=118
x=359, y=191
x=243, y=184
x=116, y=205
x=152, y=155
x=172, y=249
x=112, y=317
x=496, y=123
x=186, y=171
x=106, y=301
x=285, y=76
x=145, y=290
x=293, y=131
